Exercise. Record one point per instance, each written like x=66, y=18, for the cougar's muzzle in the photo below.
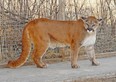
x=90, y=29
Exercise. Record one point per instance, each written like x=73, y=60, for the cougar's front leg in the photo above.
x=74, y=55
x=91, y=53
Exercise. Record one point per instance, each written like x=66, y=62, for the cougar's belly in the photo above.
x=90, y=40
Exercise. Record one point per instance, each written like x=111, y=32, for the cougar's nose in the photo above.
x=90, y=29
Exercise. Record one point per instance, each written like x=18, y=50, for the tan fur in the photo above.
x=41, y=32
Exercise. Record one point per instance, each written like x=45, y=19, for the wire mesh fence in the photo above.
x=11, y=45
x=14, y=15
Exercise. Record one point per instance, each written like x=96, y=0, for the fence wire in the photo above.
x=13, y=19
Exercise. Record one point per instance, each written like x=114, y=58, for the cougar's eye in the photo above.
x=87, y=24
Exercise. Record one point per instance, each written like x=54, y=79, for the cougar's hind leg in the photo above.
x=38, y=53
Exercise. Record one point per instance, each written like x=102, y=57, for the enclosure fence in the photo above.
x=14, y=14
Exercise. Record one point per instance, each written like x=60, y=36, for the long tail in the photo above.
x=26, y=45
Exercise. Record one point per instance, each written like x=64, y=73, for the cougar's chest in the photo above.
x=89, y=40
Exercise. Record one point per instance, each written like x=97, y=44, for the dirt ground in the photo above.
x=62, y=72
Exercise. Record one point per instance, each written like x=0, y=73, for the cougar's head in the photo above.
x=91, y=23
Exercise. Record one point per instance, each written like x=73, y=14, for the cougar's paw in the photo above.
x=75, y=66
x=95, y=63
x=44, y=65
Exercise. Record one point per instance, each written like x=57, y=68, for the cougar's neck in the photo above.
x=89, y=39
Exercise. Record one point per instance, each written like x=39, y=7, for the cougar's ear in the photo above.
x=100, y=21
x=85, y=22
x=84, y=19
